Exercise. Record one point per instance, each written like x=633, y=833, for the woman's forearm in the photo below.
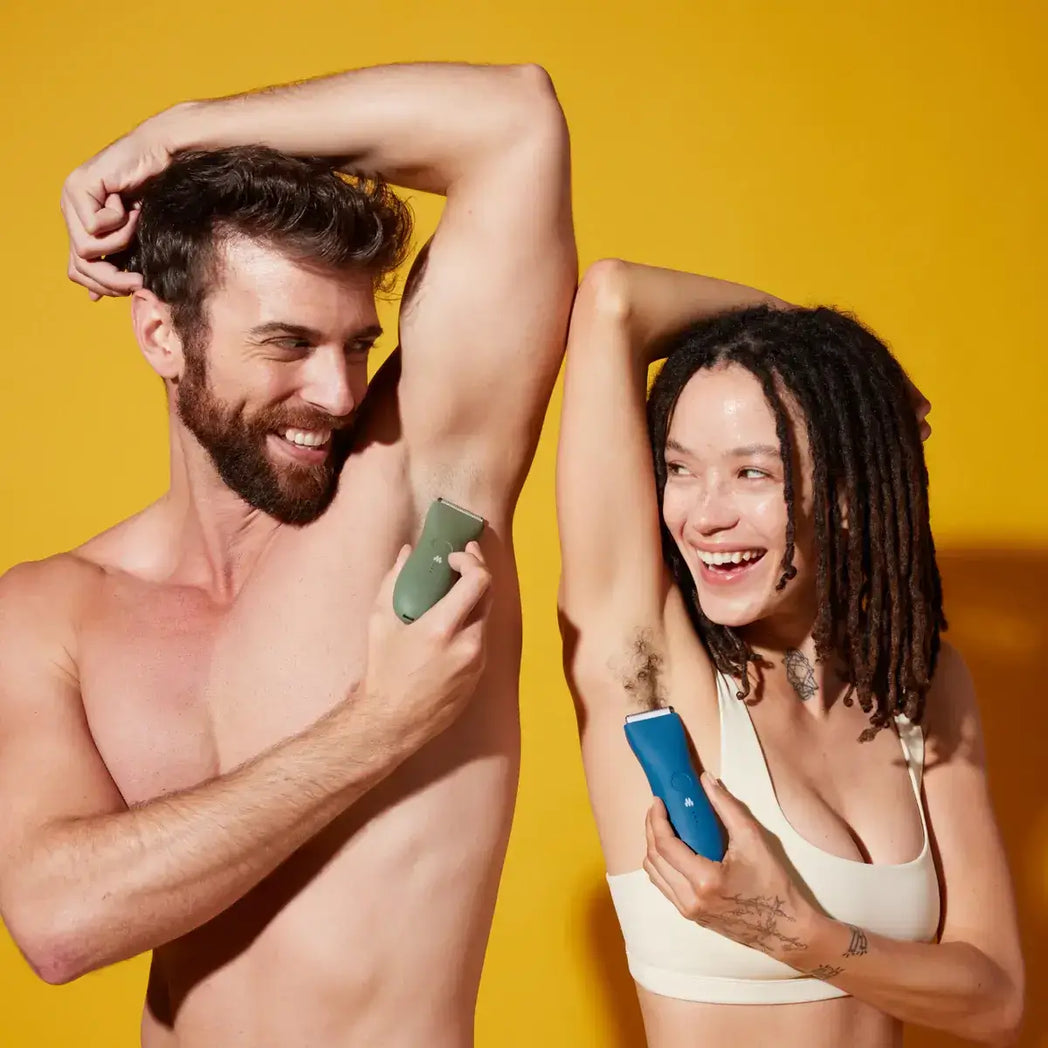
x=662, y=301
x=951, y=986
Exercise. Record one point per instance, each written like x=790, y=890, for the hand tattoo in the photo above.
x=825, y=971
x=800, y=673
x=755, y=922
x=858, y=945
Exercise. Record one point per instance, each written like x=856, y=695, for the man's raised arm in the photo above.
x=484, y=327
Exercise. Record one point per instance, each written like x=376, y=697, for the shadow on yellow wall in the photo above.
x=997, y=604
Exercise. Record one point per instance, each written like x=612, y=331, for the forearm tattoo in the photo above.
x=858, y=945
x=757, y=922
x=800, y=673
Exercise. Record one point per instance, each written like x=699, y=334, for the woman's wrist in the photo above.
x=815, y=940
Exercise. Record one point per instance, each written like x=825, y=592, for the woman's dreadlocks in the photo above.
x=879, y=592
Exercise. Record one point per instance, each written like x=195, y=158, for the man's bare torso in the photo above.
x=374, y=933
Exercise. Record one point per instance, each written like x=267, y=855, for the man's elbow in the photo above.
x=56, y=958
x=54, y=942
x=534, y=98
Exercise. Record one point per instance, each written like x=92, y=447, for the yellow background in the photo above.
x=888, y=157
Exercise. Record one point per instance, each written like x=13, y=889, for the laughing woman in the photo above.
x=759, y=557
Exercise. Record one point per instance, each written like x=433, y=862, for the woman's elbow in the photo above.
x=1009, y=1022
x=1000, y=1024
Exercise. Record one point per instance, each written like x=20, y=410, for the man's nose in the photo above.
x=326, y=382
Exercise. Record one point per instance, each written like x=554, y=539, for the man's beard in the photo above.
x=295, y=493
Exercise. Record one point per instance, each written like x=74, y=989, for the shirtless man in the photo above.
x=216, y=740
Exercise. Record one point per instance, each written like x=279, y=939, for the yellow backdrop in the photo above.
x=886, y=157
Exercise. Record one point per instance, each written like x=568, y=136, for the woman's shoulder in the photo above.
x=951, y=720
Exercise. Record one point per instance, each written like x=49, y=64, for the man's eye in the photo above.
x=360, y=349
x=289, y=342
x=752, y=473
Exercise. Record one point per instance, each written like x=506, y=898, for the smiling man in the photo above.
x=217, y=742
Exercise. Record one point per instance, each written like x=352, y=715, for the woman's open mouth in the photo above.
x=724, y=566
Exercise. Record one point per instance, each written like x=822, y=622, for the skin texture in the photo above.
x=217, y=741
x=849, y=799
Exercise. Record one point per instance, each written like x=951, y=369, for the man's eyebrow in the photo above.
x=280, y=327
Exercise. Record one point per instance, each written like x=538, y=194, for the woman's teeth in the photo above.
x=737, y=556
x=307, y=438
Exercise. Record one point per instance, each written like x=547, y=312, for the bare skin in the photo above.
x=629, y=644
x=218, y=742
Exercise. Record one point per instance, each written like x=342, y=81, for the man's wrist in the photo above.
x=182, y=126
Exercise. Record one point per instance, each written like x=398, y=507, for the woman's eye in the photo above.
x=752, y=473
x=676, y=469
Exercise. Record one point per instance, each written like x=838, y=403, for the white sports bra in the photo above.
x=674, y=957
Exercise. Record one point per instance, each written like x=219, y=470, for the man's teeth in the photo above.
x=307, y=438
x=734, y=557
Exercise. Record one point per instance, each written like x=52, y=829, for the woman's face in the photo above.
x=724, y=503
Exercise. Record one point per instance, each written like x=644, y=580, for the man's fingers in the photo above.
x=110, y=216
x=472, y=555
x=452, y=611
x=92, y=247
x=95, y=289
x=85, y=200
x=113, y=281
x=385, y=591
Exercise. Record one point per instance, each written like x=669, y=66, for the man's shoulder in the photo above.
x=47, y=586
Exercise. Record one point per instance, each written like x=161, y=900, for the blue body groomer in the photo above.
x=657, y=738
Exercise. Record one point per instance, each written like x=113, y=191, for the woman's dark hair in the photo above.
x=879, y=592
x=301, y=206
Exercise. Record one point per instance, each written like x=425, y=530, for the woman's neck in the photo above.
x=786, y=662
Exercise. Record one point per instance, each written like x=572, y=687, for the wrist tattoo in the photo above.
x=825, y=971
x=801, y=674
x=858, y=945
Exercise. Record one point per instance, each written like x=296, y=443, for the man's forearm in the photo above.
x=424, y=126
x=105, y=888
x=951, y=986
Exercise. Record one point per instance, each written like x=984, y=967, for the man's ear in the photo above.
x=156, y=335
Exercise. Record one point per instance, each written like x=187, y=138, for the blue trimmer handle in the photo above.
x=657, y=738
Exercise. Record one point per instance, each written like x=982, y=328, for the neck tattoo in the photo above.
x=801, y=674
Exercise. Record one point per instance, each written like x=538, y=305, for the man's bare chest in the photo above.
x=178, y=688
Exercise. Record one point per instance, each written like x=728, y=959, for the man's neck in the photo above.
x=215, y=536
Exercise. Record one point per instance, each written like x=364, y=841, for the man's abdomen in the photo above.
x=375, y=932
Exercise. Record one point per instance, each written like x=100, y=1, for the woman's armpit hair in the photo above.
x=641, y=671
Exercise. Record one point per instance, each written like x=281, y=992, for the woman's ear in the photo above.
x=157, y=339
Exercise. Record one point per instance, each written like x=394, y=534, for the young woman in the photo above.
x=771, y=575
